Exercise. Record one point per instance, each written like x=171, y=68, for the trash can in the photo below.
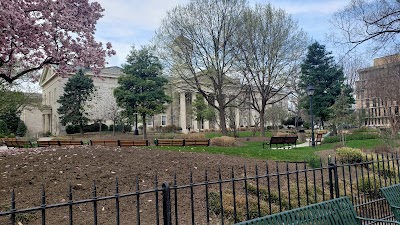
x=302, y=135
x=155, y=142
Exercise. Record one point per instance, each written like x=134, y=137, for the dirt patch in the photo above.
x=26, y=170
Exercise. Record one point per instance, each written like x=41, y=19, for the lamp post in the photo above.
x=310, y=92
x=136, y=127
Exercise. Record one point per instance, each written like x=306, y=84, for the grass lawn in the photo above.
x=255, y=150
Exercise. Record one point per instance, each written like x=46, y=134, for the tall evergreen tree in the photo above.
x=76, y=92
x=320, y=70
x=141, y=90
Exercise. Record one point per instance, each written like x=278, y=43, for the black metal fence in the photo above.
x=271, y=188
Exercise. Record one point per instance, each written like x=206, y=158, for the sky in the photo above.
x=133, y=22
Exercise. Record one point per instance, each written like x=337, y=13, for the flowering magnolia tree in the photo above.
x=36, y=33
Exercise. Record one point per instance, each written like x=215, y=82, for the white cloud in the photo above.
x=130, y=22
x=325, y=7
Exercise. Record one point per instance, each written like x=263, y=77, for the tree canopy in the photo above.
x=197, y=44
x=270, y=55
x=77, y=91
x=37, y=33
x=320, y=70
x=141, y=90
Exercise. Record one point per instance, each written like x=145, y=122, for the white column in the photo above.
x=43, y=123
x=182, y=108
x=252, y=117
x=194, y=121
x=237, y=117
x=46, y=123
x=50, y=123
x=206, y=122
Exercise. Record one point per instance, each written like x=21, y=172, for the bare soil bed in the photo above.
x=26, y=170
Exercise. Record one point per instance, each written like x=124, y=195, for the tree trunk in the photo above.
x=222, y=120
x=113, y=127
x=395, y=130
x=262, y=123
x=334, y=130
x=144, y=126
x=81, y=127
x=100, y=127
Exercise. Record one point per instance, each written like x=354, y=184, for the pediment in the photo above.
x=47, y=74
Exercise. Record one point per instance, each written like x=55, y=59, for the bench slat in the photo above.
x=392, y=195
x=129, y=143
x=105, y=142
x=197, y=142
x=18, y=144
x=170, y=142
x=337, y=211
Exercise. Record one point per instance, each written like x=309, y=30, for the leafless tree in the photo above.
x=351, y=63
x=376, y=22
x=270, y=56
x=196, y=42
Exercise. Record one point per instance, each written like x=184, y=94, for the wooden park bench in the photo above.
x=317, y=139
x=197, y=142
x=14, y=143
x=337, y=211
x=170, y=142
x=59, y=143
x=392, y=195
x=121, y=143
x=130, y=143
x=105, y=142
x=284, y=140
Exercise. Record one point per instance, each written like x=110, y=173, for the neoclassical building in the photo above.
x=373, y=110
x=53, y=84
x=179, y=112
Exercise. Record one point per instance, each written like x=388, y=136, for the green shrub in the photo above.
x=21, y=130
x=369, y=185
x=227, y=203
x=349, y=155
x=3, y=128
x=383, y=169
x=364, y=130
x=314, y=161
x=72, y=129
x=332, y=139
x=357, y=136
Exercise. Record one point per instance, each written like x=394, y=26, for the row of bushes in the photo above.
x=354, y=136
x=73, y=129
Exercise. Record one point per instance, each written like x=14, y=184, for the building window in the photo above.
x=163, y=120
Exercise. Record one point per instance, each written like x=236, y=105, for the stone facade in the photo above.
x=371, y=108
x=178, y=112
x=53, y=88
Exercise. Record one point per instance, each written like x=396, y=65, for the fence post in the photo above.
x=333, y=179
x=166, y=204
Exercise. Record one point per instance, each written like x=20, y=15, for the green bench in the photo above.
x=337, y=211
x=392, y=195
